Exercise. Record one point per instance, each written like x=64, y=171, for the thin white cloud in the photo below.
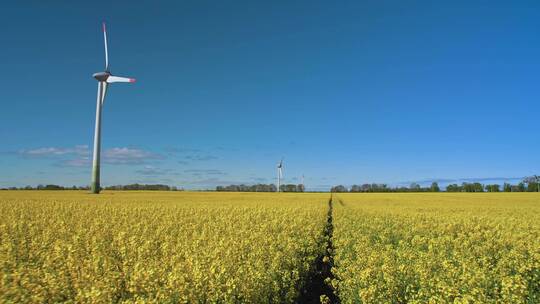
x=198, y=157
x=153, y=171
x=211, y=182
x=188, y=155
x=175, y=150
x=83, y=161
x=205, y=172
x=260, y=179
x=80, y=155
x=55, y=151
x=129, y=156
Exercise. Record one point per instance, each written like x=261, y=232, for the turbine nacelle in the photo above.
x=109, y=78
x=101, y=76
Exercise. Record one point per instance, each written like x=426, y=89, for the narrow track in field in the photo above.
x=317, y=286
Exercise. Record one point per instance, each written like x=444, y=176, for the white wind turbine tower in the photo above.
x=279, y=174
x=103, y=78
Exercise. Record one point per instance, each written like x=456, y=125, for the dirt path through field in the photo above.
x=317, y=288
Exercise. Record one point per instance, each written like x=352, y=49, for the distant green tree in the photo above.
x=507, y=187
x=453, y=188
x=472, y=187
x=533, y=187
x=53, y=187
x=467, y=187
x=288, y=188
x=414, y=187
x=435, y=187
x=478, y=187
x=533, y=183
x=339, y=188
x=365, y=188
x=356, y=188
x=248, y=188
x=493, y=188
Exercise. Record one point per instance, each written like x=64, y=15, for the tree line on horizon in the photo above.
x=148, y=187
x=529, y=184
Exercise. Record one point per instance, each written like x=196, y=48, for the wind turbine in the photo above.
x=103, y=78
x=279, y=174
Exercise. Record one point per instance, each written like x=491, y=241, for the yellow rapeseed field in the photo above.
x=157, y=246
x=437, y=248
x=187, y=247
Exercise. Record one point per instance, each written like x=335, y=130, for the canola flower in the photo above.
x=157, y=247
x=181, y=247
x=437, y=248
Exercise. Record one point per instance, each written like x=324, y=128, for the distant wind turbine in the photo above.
x=279, y=174
x=103, y=78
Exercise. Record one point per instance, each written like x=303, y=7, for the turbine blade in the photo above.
x=112, y=79
x=106, y=50
x=103, y=91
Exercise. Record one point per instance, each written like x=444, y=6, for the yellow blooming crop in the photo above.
x=136, y=247
x=181, y=247
x=437, y=248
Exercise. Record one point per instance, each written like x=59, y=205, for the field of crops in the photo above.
x=437, y=248
x=157, y=247
x=182, y=247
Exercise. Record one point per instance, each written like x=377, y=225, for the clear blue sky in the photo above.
x=349, y=92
